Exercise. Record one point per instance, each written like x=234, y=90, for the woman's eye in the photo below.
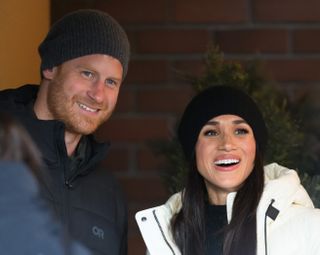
x=210, y=133
x=241, y=131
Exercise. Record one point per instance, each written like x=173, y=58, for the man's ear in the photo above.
x=48, y=73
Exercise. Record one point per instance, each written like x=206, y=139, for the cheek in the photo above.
x=204, y=153
x=250, y=148
x=114, y=97
x=63, y=86
x=111, y=97
x=200, y=149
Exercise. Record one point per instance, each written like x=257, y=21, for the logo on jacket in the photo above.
x=98, y=232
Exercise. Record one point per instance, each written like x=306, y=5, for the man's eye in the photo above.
x=88, y=74
x=111, y=83
x=241, y=131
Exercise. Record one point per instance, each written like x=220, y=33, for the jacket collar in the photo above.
x=281, y=184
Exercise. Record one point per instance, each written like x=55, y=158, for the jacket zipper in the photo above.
x=272, y=213
x=161, y=230
x=63, y=158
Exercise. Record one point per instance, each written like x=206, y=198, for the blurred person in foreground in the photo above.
x=27, y=226
x=84, y=60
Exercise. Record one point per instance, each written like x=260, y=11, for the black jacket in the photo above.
x=87, y=199
x=26, y=225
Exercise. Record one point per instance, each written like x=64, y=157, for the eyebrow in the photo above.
x=214, y=123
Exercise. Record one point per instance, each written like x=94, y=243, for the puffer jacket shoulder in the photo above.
x=293, y=226
x=154, y=224
x=292, y=230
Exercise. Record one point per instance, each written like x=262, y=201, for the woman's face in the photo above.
x=225, y=154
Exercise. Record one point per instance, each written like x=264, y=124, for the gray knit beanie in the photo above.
x=84, y=32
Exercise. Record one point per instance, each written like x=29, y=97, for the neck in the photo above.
x=217, y=196
x=218, y=199
x=71, y=141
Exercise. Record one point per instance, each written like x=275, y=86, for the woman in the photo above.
x=16, y=145
x=26, y=223
x=231, y=204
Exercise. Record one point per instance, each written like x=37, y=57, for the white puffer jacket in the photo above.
x=294, y=229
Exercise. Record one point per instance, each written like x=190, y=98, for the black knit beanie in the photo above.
x=215, y=101
x=84, y=32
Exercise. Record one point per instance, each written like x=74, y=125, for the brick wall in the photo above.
x=171, y=36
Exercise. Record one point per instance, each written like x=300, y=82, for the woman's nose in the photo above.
x=226, y=142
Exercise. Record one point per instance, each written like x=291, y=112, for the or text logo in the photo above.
x=98, y=232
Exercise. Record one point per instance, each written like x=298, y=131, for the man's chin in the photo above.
x=82, y=130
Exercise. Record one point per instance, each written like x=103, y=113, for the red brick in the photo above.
x=193, y=68
x=201, y=11
x=126, y=100
x=139, y=11
x=294, y=70
x=149, y=160
x=60, y=8
x=163, y=99
x=117, y=160
x=147, y=71
x=136, y=245
x=172, y=41
x=141, y=190
x=306, y=41
x=132, y=210
x=133, y=129
x=286, y=10
x=252, y=41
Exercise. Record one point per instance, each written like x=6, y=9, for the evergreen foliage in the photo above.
x=286, y=139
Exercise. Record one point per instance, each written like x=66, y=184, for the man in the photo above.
x=84, y=59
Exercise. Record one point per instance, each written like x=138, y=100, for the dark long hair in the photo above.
x=239, y=235
x=17, y=145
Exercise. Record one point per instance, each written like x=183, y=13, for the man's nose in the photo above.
x=97, y=92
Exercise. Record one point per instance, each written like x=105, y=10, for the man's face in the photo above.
x=83, y=92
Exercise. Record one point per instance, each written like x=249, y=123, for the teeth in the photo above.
x=226, y=161
x=87, y=108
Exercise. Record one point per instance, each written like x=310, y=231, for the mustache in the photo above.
x=90, y=102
